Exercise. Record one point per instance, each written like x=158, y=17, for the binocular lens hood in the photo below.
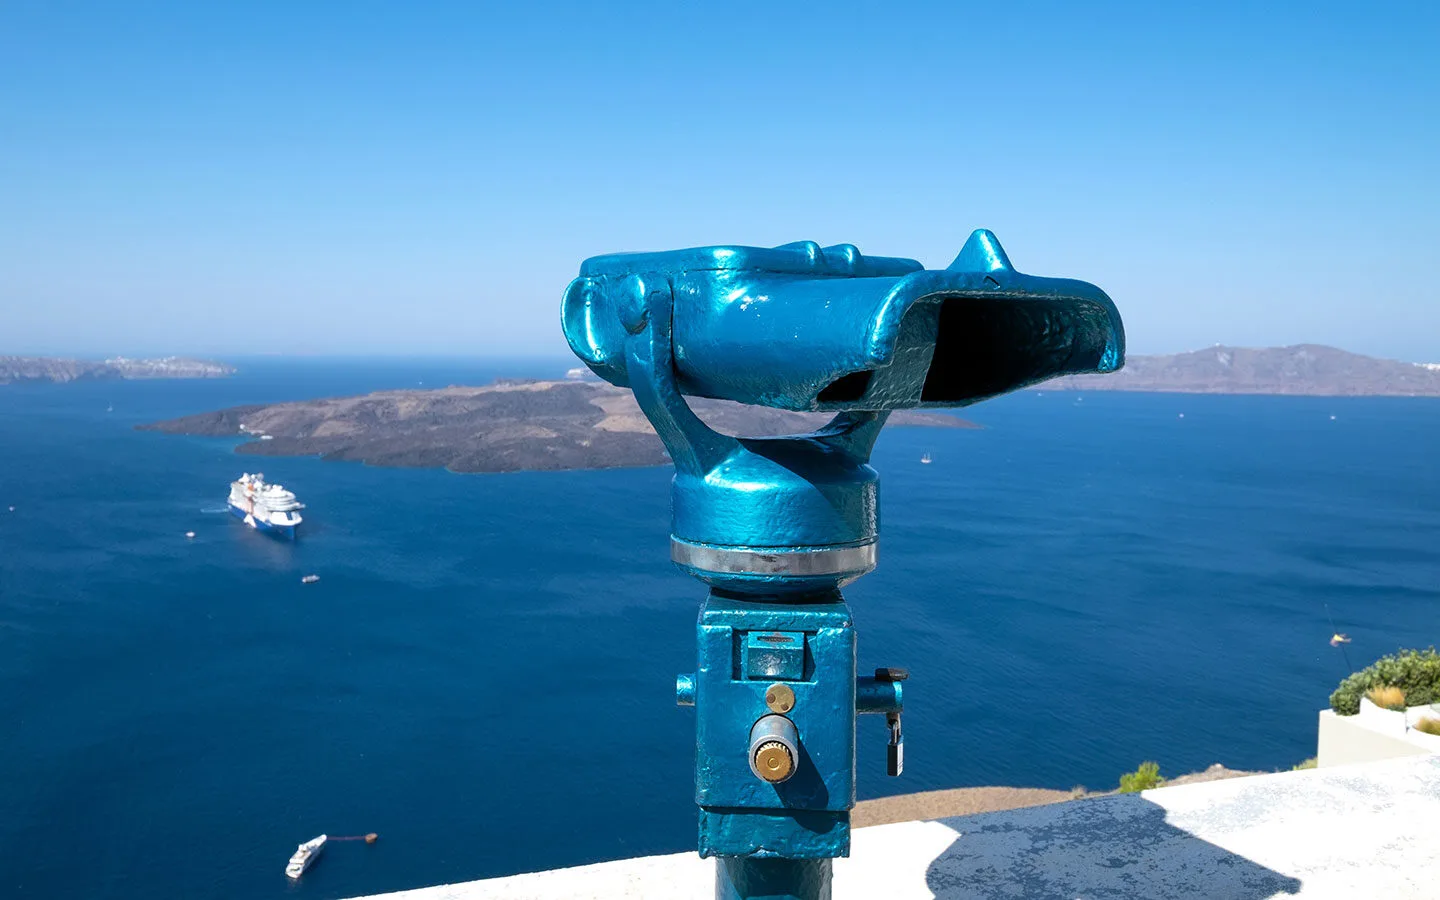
x=802, y=327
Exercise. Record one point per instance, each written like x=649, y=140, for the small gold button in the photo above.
x=780, y=698
x=773, y=762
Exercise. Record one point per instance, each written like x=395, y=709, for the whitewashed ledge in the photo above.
x=1358, y=831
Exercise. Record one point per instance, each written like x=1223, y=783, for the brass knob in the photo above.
x=773, y=762
x=774, y=748
x=780, y=698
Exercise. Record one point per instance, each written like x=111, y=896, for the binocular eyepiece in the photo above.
x=799, y=327
x=802, y=327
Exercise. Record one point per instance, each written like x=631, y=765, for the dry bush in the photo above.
x=1428, y=725
x=1387, y=696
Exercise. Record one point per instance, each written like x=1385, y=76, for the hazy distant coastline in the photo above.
x=503, y=427
x=20, y=369
x=1304, y=369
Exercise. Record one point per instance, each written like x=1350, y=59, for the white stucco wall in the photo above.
x=1371, y=736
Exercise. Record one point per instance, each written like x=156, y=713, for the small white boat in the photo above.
x=925, y=460
x=190, y=534
x=305, y=855
x=310, y=579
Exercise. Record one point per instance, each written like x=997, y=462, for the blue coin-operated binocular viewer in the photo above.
x=776, y=526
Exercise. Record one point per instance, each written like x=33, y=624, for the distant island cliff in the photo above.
x=1310, y=369
x=503, y=427
x=20, y=369
x=515, y=425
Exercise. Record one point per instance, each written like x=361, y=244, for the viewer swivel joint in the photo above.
x=776, y=526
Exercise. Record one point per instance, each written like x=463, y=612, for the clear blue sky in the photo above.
x=425, y=178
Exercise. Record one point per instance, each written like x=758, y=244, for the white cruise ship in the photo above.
x=267, y=507
x=304, y=855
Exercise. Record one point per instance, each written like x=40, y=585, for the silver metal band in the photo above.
x=827, y=561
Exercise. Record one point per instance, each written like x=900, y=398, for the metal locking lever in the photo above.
x=895, y=751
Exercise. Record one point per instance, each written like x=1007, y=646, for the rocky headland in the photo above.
x=20, y=369
x=503, y=427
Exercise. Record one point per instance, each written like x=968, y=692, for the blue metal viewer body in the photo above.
x=807, y=815
x=776, y=526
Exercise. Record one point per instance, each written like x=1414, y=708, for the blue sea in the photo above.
x=1089, y=581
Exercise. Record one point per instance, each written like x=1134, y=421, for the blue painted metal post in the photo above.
x=776, y=526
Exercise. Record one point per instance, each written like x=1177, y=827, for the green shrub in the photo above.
x=1303, y=764
x=1428, y=725
x=1416, y=672
x=1142, y=779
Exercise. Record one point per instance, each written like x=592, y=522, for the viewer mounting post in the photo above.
x=776, y=526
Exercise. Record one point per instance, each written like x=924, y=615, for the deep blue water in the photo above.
x=1084, y=584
